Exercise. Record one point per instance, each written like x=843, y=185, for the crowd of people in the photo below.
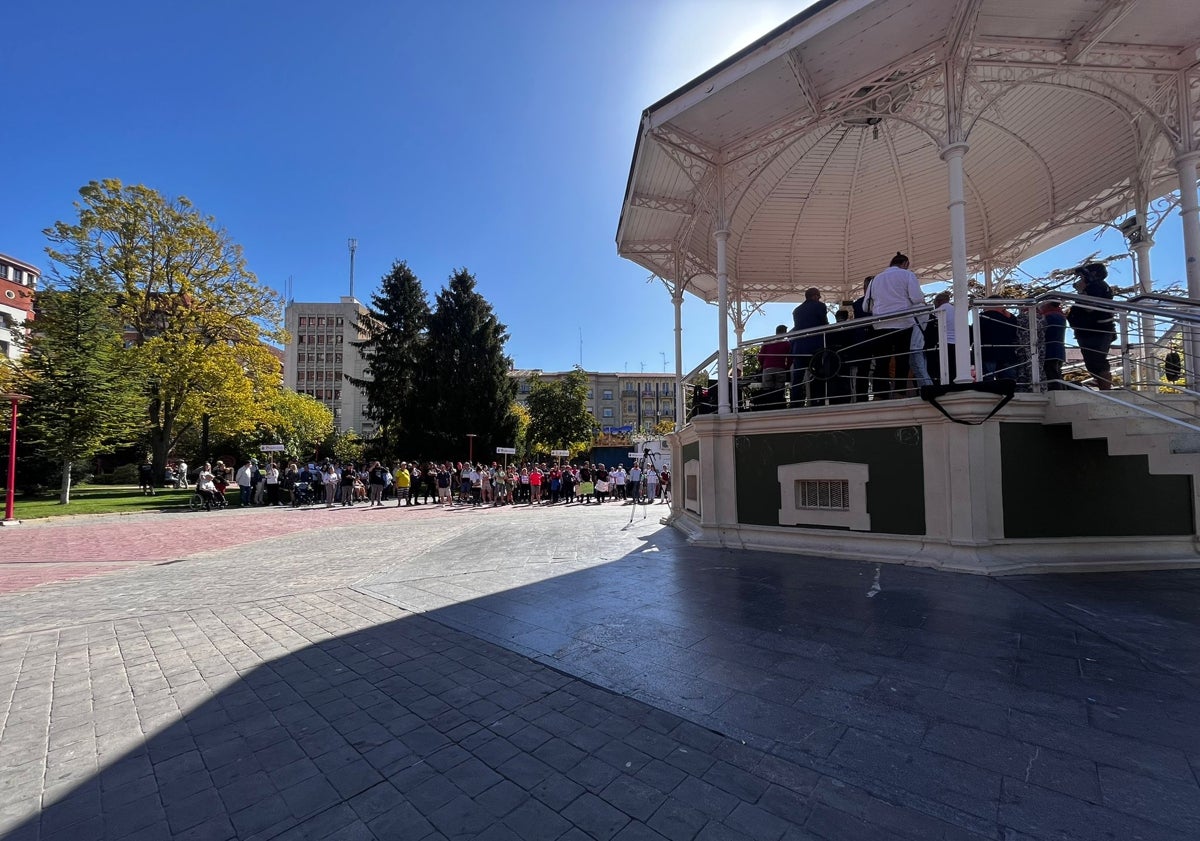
x=893, y=357
x=432, y=483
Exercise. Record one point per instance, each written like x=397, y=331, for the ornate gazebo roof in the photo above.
x=819, y=146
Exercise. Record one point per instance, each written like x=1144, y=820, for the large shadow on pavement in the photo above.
x=670, y=692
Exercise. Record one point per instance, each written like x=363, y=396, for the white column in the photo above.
x=1142, y=251
x=1145, y=340
x=953, y=156
x=723, y=403
x=677, y=300
x=1189, y=214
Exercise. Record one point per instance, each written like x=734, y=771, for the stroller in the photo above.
x=302, y=493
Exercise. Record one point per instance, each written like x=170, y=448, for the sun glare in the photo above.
x=689, y=37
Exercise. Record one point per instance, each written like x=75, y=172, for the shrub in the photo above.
x=126, y=474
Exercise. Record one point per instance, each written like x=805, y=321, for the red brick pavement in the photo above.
x=65, y=548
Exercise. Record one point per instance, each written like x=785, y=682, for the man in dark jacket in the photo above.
x=1094, y=328
x=812, y=313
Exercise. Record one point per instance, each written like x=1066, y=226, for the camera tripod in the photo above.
x=640, y=491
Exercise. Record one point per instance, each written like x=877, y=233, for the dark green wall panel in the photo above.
x=895, y=491
x=691, y=452
x=1055, y=486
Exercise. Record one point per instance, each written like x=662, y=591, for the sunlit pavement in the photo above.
x=575, y=673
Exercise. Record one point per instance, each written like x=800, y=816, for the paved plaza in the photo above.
x=572, y=674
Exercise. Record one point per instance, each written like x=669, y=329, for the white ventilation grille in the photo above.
x=823, y=494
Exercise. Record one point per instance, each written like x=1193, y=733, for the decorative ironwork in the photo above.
x=692, y=156
x=664, y=203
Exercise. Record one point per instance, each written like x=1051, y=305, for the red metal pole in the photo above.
x=12, y=463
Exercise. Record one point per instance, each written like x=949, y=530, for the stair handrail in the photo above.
x=1129, y=405
x=1115, y=306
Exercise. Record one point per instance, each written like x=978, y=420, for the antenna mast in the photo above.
x=352, y=244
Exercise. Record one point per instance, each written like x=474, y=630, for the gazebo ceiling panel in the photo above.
x=1141, y=23
x=764, y=97
x=826, y=139
x=877, y=36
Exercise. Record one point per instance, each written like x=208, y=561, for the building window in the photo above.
x=301, y=321
x=630, y=408
x=337, y=394
x=606, y=394
x=337, y=357
x=364, y=411
x=590, y=394
x=320, y=322
x=339, y=338
x=339, y=322
x=607, y=412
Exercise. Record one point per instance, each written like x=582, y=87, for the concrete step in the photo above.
x=1168, y=447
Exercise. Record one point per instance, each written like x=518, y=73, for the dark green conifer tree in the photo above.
x=466, y=373
x=85, y=396
x=393, y=347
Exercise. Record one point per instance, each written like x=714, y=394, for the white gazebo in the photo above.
x=969, y=134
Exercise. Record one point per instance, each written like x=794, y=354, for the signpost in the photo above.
x=560, y=454
x=506, y=452
x=271, y=448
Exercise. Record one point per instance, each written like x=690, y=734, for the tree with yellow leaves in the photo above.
x=195, y=317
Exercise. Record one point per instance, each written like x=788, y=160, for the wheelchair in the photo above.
x=196, y=501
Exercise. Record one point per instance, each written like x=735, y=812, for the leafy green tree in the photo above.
x=558, y=415
x=394, y=352
x=346, y=446
x=195, y=316
x=297, y=421
x=85, y=397
x=465, y=376
x=521, y=416
x=663, y=428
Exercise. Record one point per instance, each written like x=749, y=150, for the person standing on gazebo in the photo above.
x=812, y=313
x=894, y=289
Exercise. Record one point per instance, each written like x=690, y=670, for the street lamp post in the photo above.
x=471, y=447
x=11, y=487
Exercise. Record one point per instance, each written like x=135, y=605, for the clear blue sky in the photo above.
x=495, y=136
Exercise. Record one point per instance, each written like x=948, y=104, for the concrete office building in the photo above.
x=319, y=357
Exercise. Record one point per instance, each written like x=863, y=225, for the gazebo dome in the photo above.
x=821, y=147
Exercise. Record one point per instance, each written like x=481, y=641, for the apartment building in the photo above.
x=18, y=284
x=319, y=356
x=620, y=402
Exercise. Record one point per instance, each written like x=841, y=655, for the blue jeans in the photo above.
x=243, y=494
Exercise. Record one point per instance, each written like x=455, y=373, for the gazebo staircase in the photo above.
x=1164, y=428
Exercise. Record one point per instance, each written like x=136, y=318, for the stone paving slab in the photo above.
x=577, y=674
x=54, y=549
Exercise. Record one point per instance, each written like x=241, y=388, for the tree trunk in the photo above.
x=64, y=491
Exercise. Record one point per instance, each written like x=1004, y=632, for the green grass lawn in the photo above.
x=100, y=499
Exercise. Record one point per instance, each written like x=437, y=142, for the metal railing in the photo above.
x=849, y=362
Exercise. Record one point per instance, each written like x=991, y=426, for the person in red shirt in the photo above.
x=775, y=359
